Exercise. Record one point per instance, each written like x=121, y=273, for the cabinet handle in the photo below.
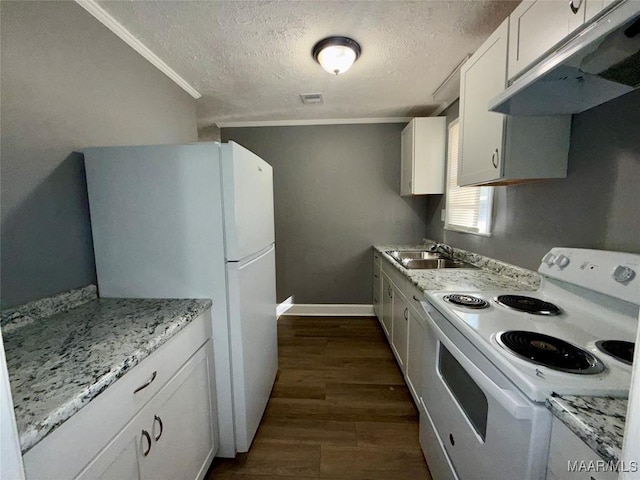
x=406, y=314
x=146, y=435
x=375, y=275
x=147, y=383
x=495, y=158
x=416, y=299
x=573, y=7
x=156, y=418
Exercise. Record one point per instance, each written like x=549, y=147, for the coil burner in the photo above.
x=618, y=349
x=550, y=352
x=527, y=304
x=468, y=301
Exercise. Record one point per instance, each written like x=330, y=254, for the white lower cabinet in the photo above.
x=179, y=422
x=377, y=280
x=400, y=328
x=571, y=459
x=172, y=435
x=386, y=319
x=403, y=323
x=415, y=353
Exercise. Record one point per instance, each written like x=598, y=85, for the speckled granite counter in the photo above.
x=59, y=363
x=490, y=275
x=598, y=421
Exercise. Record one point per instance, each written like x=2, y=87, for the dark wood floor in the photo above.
x=339, y=409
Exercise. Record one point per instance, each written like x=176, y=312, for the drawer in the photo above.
x=402, y=283
x=64, y=452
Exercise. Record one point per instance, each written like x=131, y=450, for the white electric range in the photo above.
x=493, y=358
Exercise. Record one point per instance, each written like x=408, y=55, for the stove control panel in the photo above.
x=612, y=273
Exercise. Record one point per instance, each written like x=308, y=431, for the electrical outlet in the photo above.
x=443, y=214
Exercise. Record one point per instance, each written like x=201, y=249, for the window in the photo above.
x=468, y=209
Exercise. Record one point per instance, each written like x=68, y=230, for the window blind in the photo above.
x=468, y=208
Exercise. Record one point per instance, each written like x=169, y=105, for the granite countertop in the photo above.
x=598, y=421
x=490, y=275
x=59, y=363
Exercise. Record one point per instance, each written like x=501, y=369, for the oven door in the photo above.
x=488, y=428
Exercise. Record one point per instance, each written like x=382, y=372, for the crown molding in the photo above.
x=112, y=24
x=321, y=121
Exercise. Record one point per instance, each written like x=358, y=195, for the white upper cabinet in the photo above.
x=537, y=25
x=495, y=149
x=423, y=156
x=482, y=77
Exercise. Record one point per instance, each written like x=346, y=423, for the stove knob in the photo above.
x=623, y=274
x=562, y=261
x=549, y=259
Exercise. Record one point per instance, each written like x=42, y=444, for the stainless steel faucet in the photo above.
x=442, y=248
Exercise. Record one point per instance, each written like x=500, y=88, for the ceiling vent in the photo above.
x=311, y=98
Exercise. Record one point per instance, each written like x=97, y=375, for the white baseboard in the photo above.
x=284, y=306
x=330, y=310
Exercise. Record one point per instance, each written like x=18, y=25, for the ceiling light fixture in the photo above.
x=336, y=54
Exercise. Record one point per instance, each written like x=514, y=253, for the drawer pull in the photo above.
x=157, y=419
x=146, y=435
x=146, y=384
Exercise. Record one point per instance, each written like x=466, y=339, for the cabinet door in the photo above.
x=119, y=460
x=482, y=77
x=181, y=423
x=377, y=280
x=415, y=354
x=406, y=156
x=400, y=328
x=537, y=25
x=387, y=306
x=565, y=449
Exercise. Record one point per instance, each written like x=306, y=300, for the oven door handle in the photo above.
x=509, y=399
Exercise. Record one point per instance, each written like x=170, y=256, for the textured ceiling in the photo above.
x=251, y=60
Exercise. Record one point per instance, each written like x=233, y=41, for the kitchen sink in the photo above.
x=434, y=263
x=415, y=254
x=418, y=259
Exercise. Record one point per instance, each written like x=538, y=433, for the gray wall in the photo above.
x=336, y=194
x=596, y=206
x=67, y=83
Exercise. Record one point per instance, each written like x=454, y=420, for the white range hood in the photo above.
x=599, y=63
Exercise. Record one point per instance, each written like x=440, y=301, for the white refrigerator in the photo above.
x=196, y=221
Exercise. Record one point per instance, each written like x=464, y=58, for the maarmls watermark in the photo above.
x=600, y=466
